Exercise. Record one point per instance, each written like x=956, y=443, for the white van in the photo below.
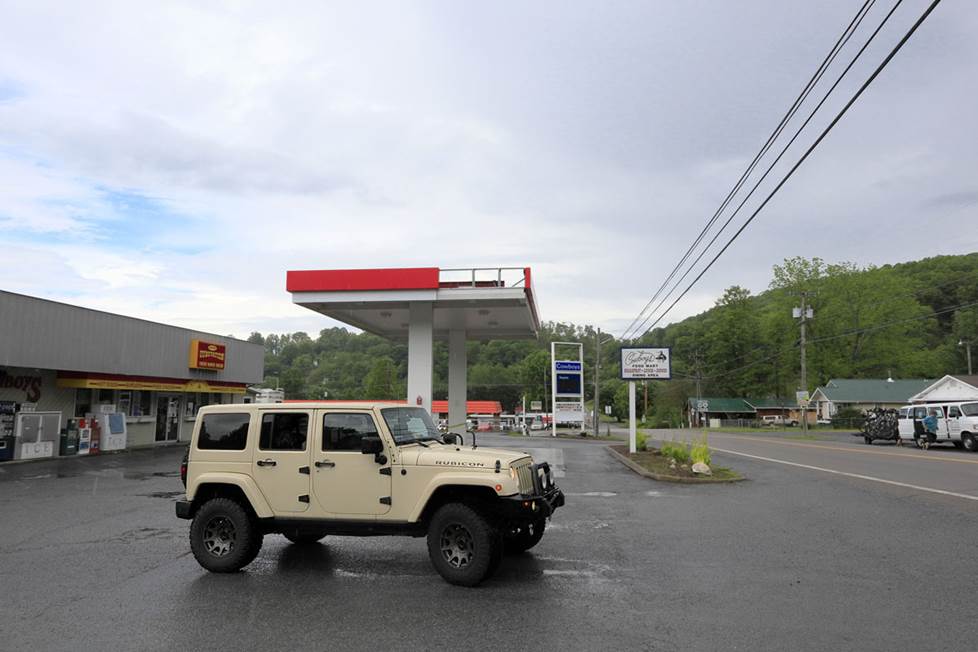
x=956, y=423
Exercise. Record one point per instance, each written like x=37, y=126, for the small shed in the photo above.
x=701, y=410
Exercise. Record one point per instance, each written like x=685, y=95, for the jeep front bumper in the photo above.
x=543, y=501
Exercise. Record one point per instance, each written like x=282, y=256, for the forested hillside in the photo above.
x=901, y=320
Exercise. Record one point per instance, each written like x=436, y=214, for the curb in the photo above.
x=129, y=449
x=637, y=468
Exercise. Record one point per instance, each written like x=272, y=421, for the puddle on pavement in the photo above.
x=163, y=494
x=598, y=494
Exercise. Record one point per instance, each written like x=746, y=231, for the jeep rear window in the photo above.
x=223, y=432
x=283, y=431
x=409, y=423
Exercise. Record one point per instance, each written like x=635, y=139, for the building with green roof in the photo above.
x=865, y=394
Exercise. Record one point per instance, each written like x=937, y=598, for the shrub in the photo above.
x=677, y=451
x=848, y=417
x=701, y=451
x=641, y=441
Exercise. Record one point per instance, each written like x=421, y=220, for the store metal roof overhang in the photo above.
x=487, y=303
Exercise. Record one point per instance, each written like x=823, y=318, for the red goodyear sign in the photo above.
x=206, y=355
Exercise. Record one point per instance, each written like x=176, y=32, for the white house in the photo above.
x=947, y=389
x=864, y=394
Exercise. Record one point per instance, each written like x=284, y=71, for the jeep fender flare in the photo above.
x=242, y=481
x=445, y=480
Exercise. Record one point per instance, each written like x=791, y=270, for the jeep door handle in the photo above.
x=327, y=464
x=266, y=462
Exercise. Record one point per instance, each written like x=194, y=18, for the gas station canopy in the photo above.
x=492, y=303
x=421, y=304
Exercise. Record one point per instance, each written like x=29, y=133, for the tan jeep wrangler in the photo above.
x=305, y=470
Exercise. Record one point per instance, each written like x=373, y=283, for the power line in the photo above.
x=806, y=91
x=808, y=152
x=784, y=150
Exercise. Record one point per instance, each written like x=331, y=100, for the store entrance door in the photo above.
x=167, y=418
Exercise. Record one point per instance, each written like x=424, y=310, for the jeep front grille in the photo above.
x=524, y=473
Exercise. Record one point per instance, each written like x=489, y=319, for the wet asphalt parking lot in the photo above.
x=92, y=558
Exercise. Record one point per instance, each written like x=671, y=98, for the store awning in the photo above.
x=80, y=380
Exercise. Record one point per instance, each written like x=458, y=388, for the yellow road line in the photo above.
x=846, y=449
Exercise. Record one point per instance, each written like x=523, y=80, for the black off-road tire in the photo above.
x=304, y=538
x=969, y=442
x=528, y=536
x=223, y=537
x=463, y=545
x=868, y=440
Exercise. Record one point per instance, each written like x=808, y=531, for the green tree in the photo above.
x=380, y=383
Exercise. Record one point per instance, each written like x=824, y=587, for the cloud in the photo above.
x=173, y=161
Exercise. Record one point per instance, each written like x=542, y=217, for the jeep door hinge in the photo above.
x=385, y=471
x=304, y=498
x=386, y=500
x=304, y=469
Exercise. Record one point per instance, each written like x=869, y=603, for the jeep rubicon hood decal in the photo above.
x=466, y=458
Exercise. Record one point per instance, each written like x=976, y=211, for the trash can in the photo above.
x=69, y=443
x=6, y=448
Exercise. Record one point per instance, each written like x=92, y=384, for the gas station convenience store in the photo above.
x=107, y=381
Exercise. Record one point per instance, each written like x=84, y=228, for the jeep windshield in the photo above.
x=410, y=424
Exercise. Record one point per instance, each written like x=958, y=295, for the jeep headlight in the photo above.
x=512, y=472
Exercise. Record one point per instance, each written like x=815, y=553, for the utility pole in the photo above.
x=597, y=390
x=967, y=348
x=803, y=313
x=698, y=375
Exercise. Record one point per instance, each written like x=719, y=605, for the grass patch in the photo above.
x=654, y=461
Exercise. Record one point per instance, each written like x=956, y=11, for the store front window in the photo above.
x=145, y=406
x=83, y=402
x=125, y=402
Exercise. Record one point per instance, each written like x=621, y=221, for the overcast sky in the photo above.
x=172, y=160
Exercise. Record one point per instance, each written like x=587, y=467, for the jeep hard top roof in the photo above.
x=302, y=405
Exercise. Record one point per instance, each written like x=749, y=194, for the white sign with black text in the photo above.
x=645, y=363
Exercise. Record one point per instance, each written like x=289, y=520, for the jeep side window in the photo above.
x=223, y=432
x=283, y=431
x=343, y=432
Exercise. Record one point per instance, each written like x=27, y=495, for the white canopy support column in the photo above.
x=420, y=353
x=457, y=373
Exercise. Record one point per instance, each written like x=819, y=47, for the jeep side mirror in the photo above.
x=451, y=438
x=371, y=445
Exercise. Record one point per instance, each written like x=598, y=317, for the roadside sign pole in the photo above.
x=642, y=363
x=553, y=389
x=632, y=444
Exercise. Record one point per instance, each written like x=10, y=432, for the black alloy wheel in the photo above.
x=223, y=536
x=463, y=546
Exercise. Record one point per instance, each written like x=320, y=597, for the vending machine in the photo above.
x=112, y=427
x=36, y=434
x=7, y=411
x=84, y=437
